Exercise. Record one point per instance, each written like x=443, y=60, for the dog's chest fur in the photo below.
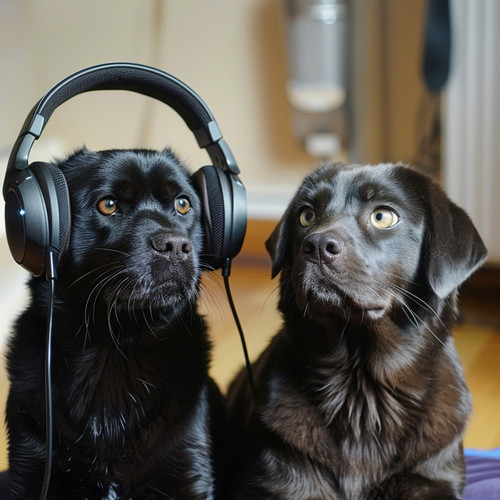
x=116, y=410
x=356, y=424
x=112, y=391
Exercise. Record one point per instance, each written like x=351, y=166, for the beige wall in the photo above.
x=231, y=52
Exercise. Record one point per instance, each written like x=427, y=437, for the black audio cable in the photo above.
x=226, y=271
x=51, y=278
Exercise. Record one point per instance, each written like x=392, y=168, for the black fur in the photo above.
x=135, y=412
x=361, y=394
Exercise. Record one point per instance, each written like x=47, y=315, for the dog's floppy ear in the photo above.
x=455, y=249
x=277, y=244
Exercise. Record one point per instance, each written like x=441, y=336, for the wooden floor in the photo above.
x=255, y=295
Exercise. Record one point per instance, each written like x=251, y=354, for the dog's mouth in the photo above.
x=129, y=283
x=155, y=289
x=166, y=295
x=340, y=305
x=320, y=295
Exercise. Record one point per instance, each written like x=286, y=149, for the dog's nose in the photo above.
x=171, y=245
x=322, y=246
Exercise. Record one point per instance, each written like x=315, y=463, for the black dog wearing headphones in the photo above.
x=116, y=242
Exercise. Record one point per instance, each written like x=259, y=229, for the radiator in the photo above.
x=471, y=132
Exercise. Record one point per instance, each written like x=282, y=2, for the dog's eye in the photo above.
x=107, y=206
x=182, y=206
x=384, y=218
x=307, y=217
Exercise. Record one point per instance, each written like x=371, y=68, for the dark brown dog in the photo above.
x=136, y=414
x=361, y=394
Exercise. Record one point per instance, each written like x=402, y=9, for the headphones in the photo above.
x=37, y=205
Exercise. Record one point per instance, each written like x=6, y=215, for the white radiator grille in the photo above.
x=472, y=117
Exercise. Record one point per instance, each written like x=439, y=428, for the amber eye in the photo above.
x=307, y=217
x=107, y=206
x=182, y=206
x=384, y=218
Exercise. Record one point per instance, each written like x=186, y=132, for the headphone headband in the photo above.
x=135, y=78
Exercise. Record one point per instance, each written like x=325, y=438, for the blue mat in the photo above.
x=483, y=474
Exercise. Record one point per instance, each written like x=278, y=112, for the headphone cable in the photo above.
x=51, y=278
x=226, y=271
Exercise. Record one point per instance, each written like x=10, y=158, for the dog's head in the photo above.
x=356, y=240
x=136, y=232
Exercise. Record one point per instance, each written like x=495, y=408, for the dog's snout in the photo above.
x=323, y=246
x=172, y=245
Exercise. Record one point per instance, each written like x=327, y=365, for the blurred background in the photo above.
x=291, y=84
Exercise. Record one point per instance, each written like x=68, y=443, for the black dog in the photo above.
x=135, y=412
x=361, y=394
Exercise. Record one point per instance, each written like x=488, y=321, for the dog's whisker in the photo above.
x=92, y=298
x=147, y=385
x=423, y=304
x=83, y=276
x=305, y=313
x=131, y=298
x=347, y=316
x=431, y=331
x=115, y=338
x=275, y=291
x=398, y=293
x=410, y=315
x=189, y=327
x=148, y=326
x=342, y=332
x=415, y=298
x=106, y=249
x=120, y=289
x=150, y=312
x=181, y=319
x=132, y=310
x=204, y=266
x=83, y=326
x=417, y=321
x=210, y=278
x=103, y=277
x=208, y=298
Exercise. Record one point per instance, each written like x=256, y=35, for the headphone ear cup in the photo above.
x=61, y=235
x=26, y=223
x=37, y=216
x=207, y=183
x=56, y=197
x=223, y=197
